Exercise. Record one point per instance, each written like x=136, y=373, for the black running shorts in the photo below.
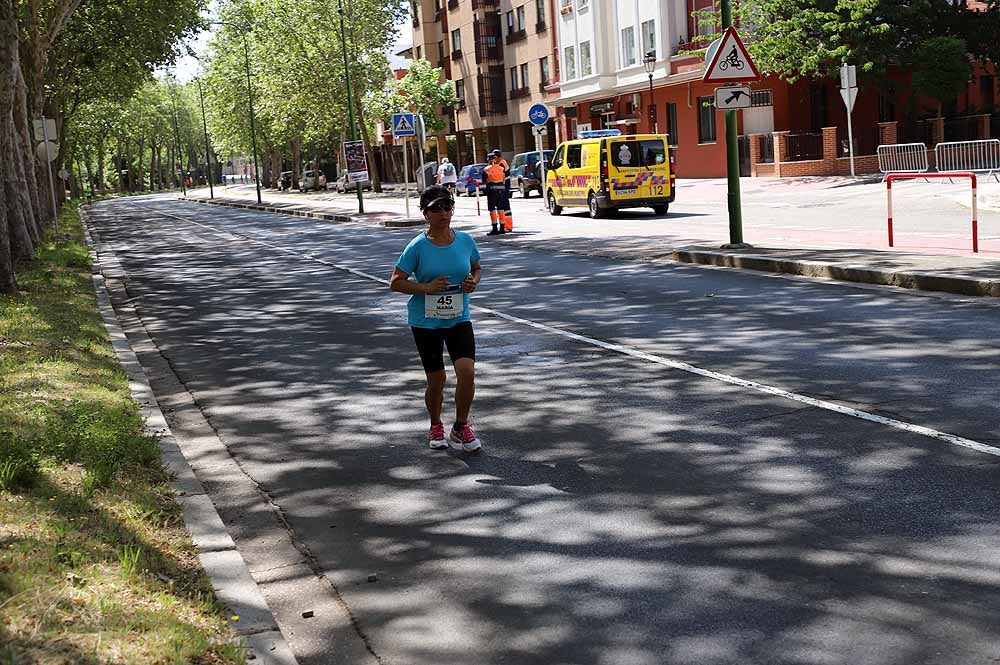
x=459, y=339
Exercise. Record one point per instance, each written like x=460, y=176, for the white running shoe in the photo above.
x=465, y=439
x=435, y=438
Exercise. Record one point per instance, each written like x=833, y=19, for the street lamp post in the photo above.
x=177, y=138
x=208, y=149
x=253, y=125
x=649, y=64
x=350, y=103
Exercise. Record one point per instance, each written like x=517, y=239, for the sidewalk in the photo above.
x=690, y=237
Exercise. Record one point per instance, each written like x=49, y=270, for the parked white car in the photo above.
x=345, y=185
x=308, y=181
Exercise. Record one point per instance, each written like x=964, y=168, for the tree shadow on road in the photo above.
x=622, y=512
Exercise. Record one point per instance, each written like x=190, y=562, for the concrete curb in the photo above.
x=234, y=586
x=845, y=272
x=400, y=222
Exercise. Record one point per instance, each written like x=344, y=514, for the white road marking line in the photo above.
x=653, y=358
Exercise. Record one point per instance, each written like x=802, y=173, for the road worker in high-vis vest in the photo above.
x=497, y=197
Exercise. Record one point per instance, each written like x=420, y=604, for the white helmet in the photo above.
x=444, y=160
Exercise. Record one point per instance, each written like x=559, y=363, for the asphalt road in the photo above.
x=625, y=510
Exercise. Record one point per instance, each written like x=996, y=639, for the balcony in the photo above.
x=694, y=47
x=485, y=4
x=452, y=4
x=520, y=93
x=543, y=85
x=457, y=53
x=516, y=36
x=541, y=27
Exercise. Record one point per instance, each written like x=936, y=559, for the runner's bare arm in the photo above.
x=400, y=282
x=472, y=281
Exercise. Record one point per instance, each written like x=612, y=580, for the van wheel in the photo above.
x=661, y=210
x=595, y=210
x=554, y=208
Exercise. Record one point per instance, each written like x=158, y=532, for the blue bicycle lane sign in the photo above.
x=538, y=114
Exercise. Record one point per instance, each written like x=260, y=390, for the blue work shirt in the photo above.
x=425, y=261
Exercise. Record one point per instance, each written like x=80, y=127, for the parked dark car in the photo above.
x=469, y=178
x=285, y=181
x=525, y=175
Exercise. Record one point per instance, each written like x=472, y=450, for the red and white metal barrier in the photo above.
x=957, y=174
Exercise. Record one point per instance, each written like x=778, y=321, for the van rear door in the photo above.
x=639, y=169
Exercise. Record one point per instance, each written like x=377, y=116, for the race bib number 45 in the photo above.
x=444, y=304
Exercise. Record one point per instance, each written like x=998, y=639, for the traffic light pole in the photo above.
x=732, y=159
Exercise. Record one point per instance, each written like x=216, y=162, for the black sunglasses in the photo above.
x=441, y=206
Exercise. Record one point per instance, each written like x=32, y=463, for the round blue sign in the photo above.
x=538, y=114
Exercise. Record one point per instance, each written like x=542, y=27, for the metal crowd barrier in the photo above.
x=977, y=156
x=903, y=158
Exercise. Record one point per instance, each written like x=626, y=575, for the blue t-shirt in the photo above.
x=425, y=261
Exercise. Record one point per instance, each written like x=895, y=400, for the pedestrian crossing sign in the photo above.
x=402, y=125
x=731, y=62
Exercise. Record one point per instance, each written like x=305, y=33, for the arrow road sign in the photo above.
x=732, y=97
x=731, y=62
x=402, y=125
x=540, y=130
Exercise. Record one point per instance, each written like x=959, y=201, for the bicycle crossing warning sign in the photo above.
x=731, y=62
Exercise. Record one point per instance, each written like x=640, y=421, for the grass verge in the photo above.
x=95, y=563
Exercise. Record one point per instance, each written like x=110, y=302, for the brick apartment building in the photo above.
x=500, y=56
x=584, y=60
x=792, y=129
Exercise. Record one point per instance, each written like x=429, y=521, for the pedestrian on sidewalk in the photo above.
x=445, y=266
x=497, y=196
x=446, y=175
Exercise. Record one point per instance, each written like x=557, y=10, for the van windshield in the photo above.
x=636, y=154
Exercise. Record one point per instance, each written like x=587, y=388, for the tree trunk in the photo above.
x=90, y=175
x=118, y=165
x=60, y=162
x=128, y=167
x=172, y=160
x=8, y=138
x=100, y=164
x=140, y=177
x=28, y=195
x=152, y=167
x=22, y=247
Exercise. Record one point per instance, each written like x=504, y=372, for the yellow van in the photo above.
x=605, y=171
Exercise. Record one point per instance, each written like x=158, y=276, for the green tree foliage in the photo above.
x=796, y=39
x=421, y=90
x=296, y=59
x=941, y=69
x=110, y=47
